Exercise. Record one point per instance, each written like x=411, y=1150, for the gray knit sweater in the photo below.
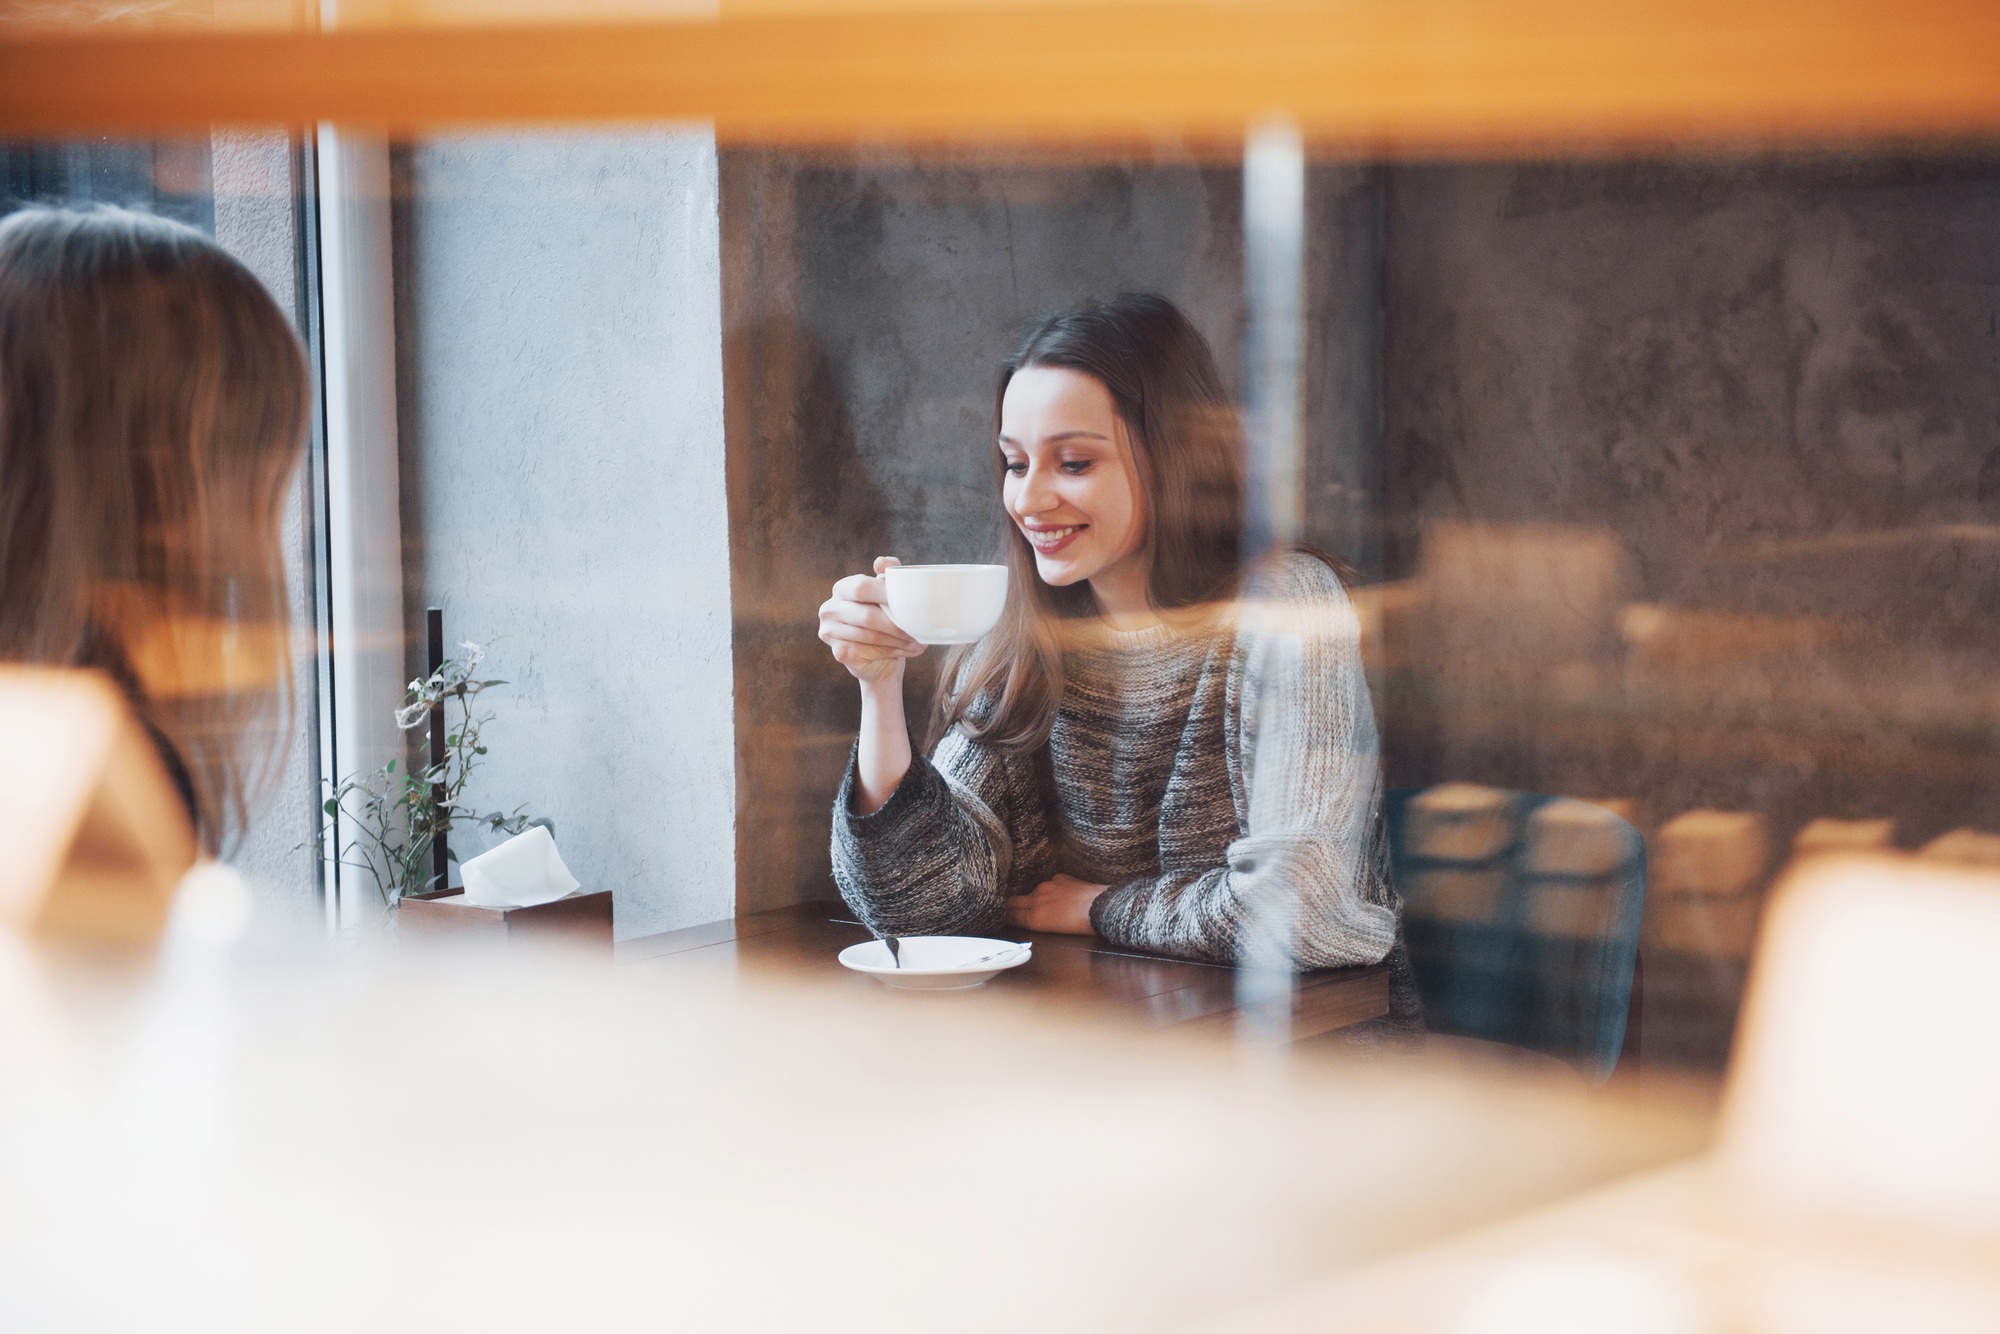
x=1224, y=784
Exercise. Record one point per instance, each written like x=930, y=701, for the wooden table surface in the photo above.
x=1153, y=990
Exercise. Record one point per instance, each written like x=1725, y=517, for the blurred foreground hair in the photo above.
x=153, y=409
x=1188, y=446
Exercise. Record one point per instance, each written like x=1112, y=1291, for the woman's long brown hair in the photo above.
x=1188, y=447
x=153, y=409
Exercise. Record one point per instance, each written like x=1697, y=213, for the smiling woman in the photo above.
x=1119, y=460
x=1072, y=487
x=1161, y=743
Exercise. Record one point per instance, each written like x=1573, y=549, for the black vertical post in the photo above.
x=440, y=853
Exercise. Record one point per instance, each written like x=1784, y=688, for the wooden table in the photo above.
x=1155, y=991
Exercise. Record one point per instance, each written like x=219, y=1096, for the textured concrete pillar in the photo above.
x=564, y=490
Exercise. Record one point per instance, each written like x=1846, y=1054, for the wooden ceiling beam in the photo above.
x=1379, y=76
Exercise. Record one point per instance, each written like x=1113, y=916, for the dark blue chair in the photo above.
x=1522, y=916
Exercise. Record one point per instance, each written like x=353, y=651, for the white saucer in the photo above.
x=935, y=963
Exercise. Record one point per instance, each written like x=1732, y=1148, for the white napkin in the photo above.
x=523, y=871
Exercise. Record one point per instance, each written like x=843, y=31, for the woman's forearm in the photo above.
x=883, y=756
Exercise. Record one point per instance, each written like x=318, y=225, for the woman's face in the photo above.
x=1071, y=485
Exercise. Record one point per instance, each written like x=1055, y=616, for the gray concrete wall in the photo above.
x=1343, y=410
x=564, y=497
x=869, y=304
x=1746, y=350
x=1778, y=384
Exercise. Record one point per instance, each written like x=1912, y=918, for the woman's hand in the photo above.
x=855, y=624
x=1061, y=904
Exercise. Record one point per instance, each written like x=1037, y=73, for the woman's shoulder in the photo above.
x=1294, y=578
x=1297, y=597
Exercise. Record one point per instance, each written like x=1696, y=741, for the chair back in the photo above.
x=1522, y=915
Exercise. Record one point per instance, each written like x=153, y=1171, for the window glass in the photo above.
x=173, y=178
x=1624, y=464
x=1625, y=467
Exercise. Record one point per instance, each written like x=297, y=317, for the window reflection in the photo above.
x=216, y=657
x=1660, y=489
x=172, y=177
x=1605, y=553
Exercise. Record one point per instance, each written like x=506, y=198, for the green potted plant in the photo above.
x=400, y=814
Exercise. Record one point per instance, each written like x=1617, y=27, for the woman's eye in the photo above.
x=1076, y=467
x=1018, y=469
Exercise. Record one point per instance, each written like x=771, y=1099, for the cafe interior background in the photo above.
x=1668, y=468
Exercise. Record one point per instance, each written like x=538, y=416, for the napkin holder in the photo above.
x=582, y=918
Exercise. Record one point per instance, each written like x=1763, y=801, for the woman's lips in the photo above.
x=1048, y=541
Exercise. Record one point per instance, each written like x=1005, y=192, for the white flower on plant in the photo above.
x=474, y=655
x=411, y=715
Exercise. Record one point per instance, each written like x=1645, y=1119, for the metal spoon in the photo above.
x=1011, y=952
x=895, y=950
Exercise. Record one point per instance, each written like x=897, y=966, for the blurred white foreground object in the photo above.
x=698, y=1142
x=93, y=837
x=214, y=907
x=1867, y=1077
x=520, y=873
x=937, y=963
x=1578, y=1290
x=1857, y=1184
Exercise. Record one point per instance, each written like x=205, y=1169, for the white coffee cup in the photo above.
x=946, y=604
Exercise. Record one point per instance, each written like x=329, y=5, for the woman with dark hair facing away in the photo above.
x=1161, y=742
x=153, y=407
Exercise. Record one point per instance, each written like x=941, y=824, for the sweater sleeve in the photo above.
x=963, y=830
x=1302, y=886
